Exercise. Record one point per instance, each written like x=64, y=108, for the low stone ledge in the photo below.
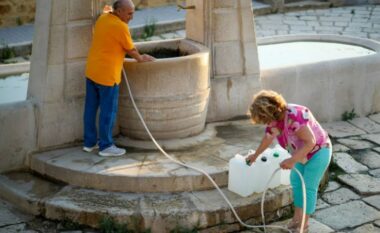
x=17, y=68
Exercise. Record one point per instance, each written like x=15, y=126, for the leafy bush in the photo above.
x=108, y=225
x=6, y=52
x=349, y=115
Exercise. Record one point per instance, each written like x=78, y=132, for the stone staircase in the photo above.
x=144, y=189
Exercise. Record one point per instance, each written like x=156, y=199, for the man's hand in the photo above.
x=287, y=164
x=146, y=58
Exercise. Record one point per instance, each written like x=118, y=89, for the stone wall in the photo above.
x=16, y=12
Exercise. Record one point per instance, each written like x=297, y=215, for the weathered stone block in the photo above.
x=62, y=118
x=53, y=90
x=247, y=25
x=57, y=45
x=251, y=59
x=18, y=137
x=58, y=12
x=225, y=4
x=226, y=25
x=228, y=58
x=80, y=9
x=75, y=80
x=195, y=22
x=79, y=40
x=231, y=97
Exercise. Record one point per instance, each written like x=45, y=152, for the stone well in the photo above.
x=171, y=93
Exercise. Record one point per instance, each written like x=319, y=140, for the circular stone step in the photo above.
x=150, y=171
x=205, y=211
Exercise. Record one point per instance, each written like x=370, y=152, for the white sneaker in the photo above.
x=90, y=149
x=112, y=151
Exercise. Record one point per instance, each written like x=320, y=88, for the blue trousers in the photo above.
x=312, y=173
x=105, y=97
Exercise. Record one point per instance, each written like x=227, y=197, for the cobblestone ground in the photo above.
x=357, y=21
x=351, y=201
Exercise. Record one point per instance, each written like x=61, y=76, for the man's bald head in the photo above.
x=123, y=3
x=124, y=9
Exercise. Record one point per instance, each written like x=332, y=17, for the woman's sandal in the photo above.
x=292, y=225
x=298, y=230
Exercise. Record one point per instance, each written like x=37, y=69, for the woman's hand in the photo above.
x=251, y=159
x=287, y=164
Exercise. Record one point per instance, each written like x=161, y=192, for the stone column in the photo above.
x=62, y=37
x=227, y=28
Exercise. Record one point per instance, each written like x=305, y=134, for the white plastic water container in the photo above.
x=245, y=180
x=275, y=157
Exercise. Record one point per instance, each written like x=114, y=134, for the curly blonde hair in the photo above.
x=267, y=106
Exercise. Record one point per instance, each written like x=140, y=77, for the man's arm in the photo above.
x=134, y=53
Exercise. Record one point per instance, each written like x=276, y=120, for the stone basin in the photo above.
x=171, y=93
x=329, y=82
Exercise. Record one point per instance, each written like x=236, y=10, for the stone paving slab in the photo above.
x=348, y=164
x=369, y=158
x=375, y=173
x=340, y=148
x=347, y=215
x=318, y=227
x=340, y=196
x=321, y=204
x=314, y=227
x=341, y=129
x=377, y=223
x=373, y=201
x=356, y=144
x=364, y=184
x=9, y=216
x=375, y=138
x=14, y=228
x=332, y=185
x=368, y=228
x=375, y=117
x=366, y=124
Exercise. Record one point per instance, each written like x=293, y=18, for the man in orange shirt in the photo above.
x=111, y=41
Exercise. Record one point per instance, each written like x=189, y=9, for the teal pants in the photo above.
x=312, y=173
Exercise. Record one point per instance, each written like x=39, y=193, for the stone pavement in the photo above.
x=349, y=203
x=357, y=21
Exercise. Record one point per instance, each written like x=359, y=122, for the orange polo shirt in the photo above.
x=111, y=39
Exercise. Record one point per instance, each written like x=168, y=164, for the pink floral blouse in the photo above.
x=297, y=117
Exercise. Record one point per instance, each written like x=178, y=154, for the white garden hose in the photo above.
x=213, y=182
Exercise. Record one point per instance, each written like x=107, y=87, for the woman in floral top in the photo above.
x=296, y=130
